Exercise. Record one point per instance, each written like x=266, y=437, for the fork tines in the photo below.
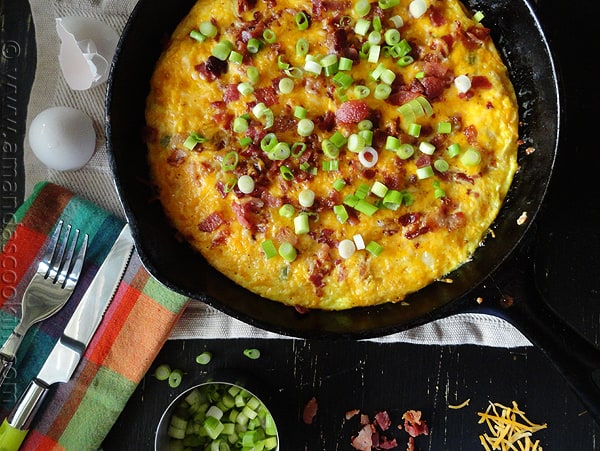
x=61, y=263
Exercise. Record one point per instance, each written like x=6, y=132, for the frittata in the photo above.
x=332, y=154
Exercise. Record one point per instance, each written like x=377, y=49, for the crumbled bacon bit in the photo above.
x=352, y=112
x=310, y=410
x=370, y=436
x=211, y=222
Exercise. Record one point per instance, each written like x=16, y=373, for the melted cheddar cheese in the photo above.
x=435, y=86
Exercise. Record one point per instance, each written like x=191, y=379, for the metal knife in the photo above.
x=69, y=349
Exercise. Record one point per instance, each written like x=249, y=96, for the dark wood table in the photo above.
x=345, y=375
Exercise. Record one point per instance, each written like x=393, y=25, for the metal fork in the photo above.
x=49, y=289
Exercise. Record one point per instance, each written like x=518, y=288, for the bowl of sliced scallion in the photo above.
x=217, y=416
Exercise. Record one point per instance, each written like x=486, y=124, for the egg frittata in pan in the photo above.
x=331, y=154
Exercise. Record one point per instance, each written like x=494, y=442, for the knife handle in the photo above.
x=15, y=427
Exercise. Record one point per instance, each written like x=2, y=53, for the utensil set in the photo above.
x=49, y=289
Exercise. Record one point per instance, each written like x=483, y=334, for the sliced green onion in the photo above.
x=302, y=20
x=281, y=64
x=192, y=140
x=230, y=161
x=426, y=147
x=346, y=248
x=245, y=141
x=444, y=127
x=246, y=184
x=245, y=88
x=195, y=34
x=414, y=130
x=294, y=72
x=386, y=4
x=365, y=124
x=470, y=157
x=306, y=198
x=329, y=148
x=356, y=143
x=339, y=184
x=427, y=108
x=361, y=91
x=338, y=139
x=299, y=112
x=366, y=207
x=392, y=143
x=351, y=200
x=314, y=67
x=287, y=210
x=392, y=36
x=268, y=142
x=362, y=26
x=453, y=150
x=230, y=184
x=405, y=60
x=301, y=224
x=377, y=26
x=269, y=249
x=305, y=127
x=478, y=16
x=367, y=135
x=388, y=76
x=374, y=37
x=374, y=52
x=362, y=8
x=345, y=63
x=374, y=248
x=330, y=165
x=175, y=378
x=286, y=85
x=397, y=21
x=441, y=165
x=162, y=372
x=382, y=91
x=343, y=80
x=392, y=199
x=298, y=149
x=438, y=191
x=254, y=45
x=362, y=191
x=208, y=29
x=379, y=189
x=420, y=74
x=222, y=49
x=287, y=251
x=253, y=74
x=204, y=358
x=424, y=172
x=280, y=152
x=340, y=213
x=286, y=173
x=405, y=151
x=240, y=124
x=235, y=57
x=302, y=47
x=269, y=36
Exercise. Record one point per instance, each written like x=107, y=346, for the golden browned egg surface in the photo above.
x=332, y=154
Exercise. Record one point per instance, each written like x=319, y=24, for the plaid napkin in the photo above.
x=78, y=415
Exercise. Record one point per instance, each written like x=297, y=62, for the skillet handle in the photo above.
x=575, y=357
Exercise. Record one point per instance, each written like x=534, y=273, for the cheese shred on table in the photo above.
x=509, y=429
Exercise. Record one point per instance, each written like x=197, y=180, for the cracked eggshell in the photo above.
x=62, y=138
x=86, y=51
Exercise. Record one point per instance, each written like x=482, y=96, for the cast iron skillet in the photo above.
x=521, y=41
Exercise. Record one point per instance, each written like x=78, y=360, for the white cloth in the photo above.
x=95, y=182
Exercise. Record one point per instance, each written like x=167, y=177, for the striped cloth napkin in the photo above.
x=79, y=414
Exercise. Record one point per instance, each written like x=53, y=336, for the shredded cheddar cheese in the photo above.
x=509, y=429
x=461, y=405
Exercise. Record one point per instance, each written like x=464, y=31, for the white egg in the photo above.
x=62, y=138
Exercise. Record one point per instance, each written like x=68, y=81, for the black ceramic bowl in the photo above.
x=521, y=42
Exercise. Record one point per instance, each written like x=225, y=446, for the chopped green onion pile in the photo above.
x=221, y=417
